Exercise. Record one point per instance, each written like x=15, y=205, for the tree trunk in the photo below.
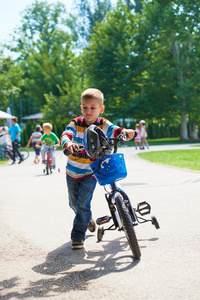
x=194, y=132
x=184, y=131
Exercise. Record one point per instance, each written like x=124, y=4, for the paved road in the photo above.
x=36, y=257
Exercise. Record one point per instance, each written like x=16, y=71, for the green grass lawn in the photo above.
x=189, y=159
x=165, y=141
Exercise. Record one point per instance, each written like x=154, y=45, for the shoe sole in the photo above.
x=76, y=247
x=92, y=228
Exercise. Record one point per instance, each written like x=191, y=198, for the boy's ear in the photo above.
x=102, y=109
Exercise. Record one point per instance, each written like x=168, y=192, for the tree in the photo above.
x=45, y=47
x=172, y=38
x=112, y=61
x=89, y=13
x=10, y=83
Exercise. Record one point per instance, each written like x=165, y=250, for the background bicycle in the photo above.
x=8, y=152
x=48, y=159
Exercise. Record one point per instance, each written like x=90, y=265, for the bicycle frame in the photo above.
x=48, y=159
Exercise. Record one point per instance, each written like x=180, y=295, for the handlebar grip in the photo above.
x=66, y=152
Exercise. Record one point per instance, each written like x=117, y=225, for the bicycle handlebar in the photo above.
x=121, y=138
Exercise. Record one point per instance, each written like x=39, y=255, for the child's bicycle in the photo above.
x=48, y=162
x=8, y=152
x=108, y=170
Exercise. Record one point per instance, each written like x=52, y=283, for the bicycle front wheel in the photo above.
x=127, y=225
x=47, y=167
x=24, y=154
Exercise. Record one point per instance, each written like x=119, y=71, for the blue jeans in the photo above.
x=80, y=192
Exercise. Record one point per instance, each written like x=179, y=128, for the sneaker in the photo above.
x=13, y=162
x=35, y=162
x=77, y=243
x=21, y=160
x=92, y=225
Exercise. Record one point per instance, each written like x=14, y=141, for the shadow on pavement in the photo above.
x=66, y=269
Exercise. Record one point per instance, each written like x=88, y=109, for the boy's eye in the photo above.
x=89, y=108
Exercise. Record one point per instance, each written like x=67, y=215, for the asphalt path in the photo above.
x=36, y=258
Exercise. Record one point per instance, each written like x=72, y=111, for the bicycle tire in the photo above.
x=24, y=154
x=127, y=225
x=9, y=155
x=47, y=167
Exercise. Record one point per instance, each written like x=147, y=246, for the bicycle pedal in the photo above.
x=143, y=208
x=103, y=220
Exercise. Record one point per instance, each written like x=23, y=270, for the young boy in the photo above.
x=50, y=141
x=80, y=185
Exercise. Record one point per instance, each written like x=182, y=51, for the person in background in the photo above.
x=144, y=135
x=50, y=141
x=15, y=133
x=5, y=139
x=138, y=137
x=36, y=135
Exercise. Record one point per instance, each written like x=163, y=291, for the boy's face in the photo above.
x=91, y=109
x=46, y=130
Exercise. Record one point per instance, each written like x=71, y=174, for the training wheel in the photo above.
x=155, y=222
x=100, y=233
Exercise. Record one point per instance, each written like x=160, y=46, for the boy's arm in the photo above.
x=38, y=143
x=130, y=133
x=67, y=138
x=57, y=144
x=29, y=142
x=71, y=146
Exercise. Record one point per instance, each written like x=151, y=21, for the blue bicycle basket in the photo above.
x=112, y=168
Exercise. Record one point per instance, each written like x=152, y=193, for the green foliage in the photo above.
x=143, y=55
x=162, y=130
x=10, y=82
x=46, y=53
x=112, y=67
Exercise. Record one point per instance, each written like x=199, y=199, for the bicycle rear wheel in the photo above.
x=127, y=225
x=24, y=154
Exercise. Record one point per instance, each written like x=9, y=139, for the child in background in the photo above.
x=36, y=135
x=50, y=141
x=5, y=139
x=144, y=134
x=138, y=137
x=79, y=182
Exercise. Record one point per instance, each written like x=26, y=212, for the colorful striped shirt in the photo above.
x=78, y=164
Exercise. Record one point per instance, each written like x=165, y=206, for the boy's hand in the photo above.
x=130, y=133
x=71, y=147
x=37, y=146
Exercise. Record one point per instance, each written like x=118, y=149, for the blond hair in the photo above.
x=92, y=93
x=48, y=125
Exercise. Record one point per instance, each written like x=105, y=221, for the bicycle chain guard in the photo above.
x=143, y=208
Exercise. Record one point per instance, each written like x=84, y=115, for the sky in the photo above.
x=10, y=14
